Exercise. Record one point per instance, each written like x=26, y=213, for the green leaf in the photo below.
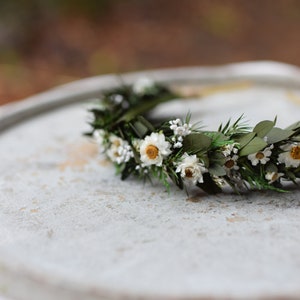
x=139, y=128
x=196, y=142
x=263, y=128
x=236, y=128
x=146, y=123
x=294, y=126
x=255, y=145
x=175, y=178
x=296, y=138
x=217, y=158
x=217, y=170
x=218, y=139
x=271, y=168
x=277, y=135
x=126, y=171
x=291, y=175
x=209, y=186
x=144, y=107
x=246, y=139
x=203, y=158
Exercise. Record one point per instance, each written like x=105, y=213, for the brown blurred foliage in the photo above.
x=44, y=43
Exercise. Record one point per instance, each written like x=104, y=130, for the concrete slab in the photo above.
x=70, y=229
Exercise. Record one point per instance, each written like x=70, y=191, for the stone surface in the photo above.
x=70, y=229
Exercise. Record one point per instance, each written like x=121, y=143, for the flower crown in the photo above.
x=176, y=150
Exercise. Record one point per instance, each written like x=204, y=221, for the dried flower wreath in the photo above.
x=176, y=150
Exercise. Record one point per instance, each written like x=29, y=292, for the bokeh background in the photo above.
x=44, y=43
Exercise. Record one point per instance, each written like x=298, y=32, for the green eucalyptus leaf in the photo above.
x=175, y=178
x=246, y=139
x=204, y=158
x=277, y=135
x=296, y=138
x=145, y=107
x=217, y=170
x=294, y=126
x=209, y=186
x=139, y=128
x=291, y=175
x=255, y=145
x=217, y=158
x=263, y=128
x=196, y=142
x=146, y=123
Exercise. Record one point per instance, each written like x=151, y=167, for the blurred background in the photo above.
x=44, y=43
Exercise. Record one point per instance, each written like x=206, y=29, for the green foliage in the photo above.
x=218, y=139
x=217, y=170
x=209, y=185
x=245, y=139
x=237, y=128
x=141, y=126
x=196, y=143
x=214, y=156
x=263, y=128
x=277, y=135
x=255, y=145
x=294, y=127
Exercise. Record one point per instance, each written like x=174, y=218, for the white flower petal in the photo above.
x=290, y=157
x=191, y=169
x=261, y=156
x=154, y=148
x=273, y=176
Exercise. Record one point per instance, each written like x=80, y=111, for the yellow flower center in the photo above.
x=259, y=155
x=229, y=163
x=295, y=152
x=152, y=151
x=117, y=143
x=188, y=173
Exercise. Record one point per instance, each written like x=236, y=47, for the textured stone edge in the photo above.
x=80, y=90
x=16, y=281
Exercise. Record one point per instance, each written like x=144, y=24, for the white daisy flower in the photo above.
x=291, y=155
x=191, y=169
x=273, y=176
x=261, y=156
x=231, y=163
x=229, y=149
x=142, y=85
x=179, y=128
x=119, y=151
x=125, y=153
x=178, y=145
x=154, y=148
